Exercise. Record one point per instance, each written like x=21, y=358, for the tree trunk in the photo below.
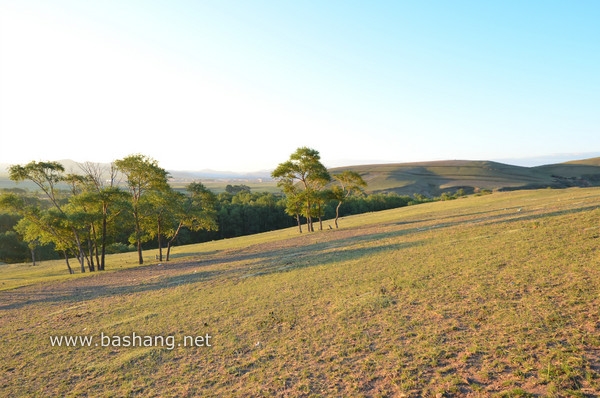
x=95, y=246
x=159, y=243
x=309, y=225
x=33, y=257
x=80, y=255
x=97, y=256
x=139, y=250
x=103, y=244
x=337, y=213
x=320, y=218
x=168, y=250
x=170, y=241
x=138, y=238
x=81, y=262
x=91, y=265
x=299, y=223
x=67, y=260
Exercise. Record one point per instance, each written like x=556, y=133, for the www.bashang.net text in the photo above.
x=130, y=340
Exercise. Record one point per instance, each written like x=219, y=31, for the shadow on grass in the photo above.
x=156, y=277
x=191, y=254
x=559, y=213
x=311, y=258
x=502, y=218
x=295, y=253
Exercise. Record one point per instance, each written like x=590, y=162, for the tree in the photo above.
x=305, y=168
x=195, y=211
x=350, y=183
x=46, y=175
x=143, y=175
x=12, y=248
x=158, y=205
x=106, y=197
x=40, y=225
x=294, y=200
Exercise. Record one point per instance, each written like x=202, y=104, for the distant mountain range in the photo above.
x=179, y=175
x=427, y=178
x=220, y=175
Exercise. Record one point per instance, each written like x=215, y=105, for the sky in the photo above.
x=239, y=85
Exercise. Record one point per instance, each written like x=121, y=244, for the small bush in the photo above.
x=114, y=248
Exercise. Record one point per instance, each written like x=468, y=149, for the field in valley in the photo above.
x=494, y=295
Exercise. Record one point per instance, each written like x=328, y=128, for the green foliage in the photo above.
x=248, y=213
x=12, y=248
x=234, y=189
x=302, y=178
x=144, y=177
x=118, y=247
x=44, y=174
x=481, y=192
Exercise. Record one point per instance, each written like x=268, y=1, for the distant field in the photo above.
x=219, y=186
x=497, y=295
x=214, y=185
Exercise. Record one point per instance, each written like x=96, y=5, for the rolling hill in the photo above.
x=433, y=178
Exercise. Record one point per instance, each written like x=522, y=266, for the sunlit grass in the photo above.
x=498, y=294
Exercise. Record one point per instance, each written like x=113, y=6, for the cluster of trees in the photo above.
x=304, y=181
x=94, y=211
x=129, y=205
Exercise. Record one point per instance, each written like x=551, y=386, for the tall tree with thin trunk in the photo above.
x=142, y=175
x=160, y=208
x=293, y=200
x=349, y=183
x=194, y=210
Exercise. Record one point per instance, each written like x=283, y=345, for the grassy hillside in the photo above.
x=433, y=178
x=584, y=171
x=491, y=295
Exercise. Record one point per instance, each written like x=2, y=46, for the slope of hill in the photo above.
x=584, y=172
x=433, y=178
x=496, y=295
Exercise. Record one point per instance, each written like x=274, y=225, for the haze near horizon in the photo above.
x=240, y=85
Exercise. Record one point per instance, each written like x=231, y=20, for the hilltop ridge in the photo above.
x=433, y=178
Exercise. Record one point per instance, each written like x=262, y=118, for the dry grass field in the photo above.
x=495, y=295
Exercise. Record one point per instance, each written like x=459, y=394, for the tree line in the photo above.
x=94, y=209
x=130, y=205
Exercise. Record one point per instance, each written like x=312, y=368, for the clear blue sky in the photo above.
x=239, y=85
